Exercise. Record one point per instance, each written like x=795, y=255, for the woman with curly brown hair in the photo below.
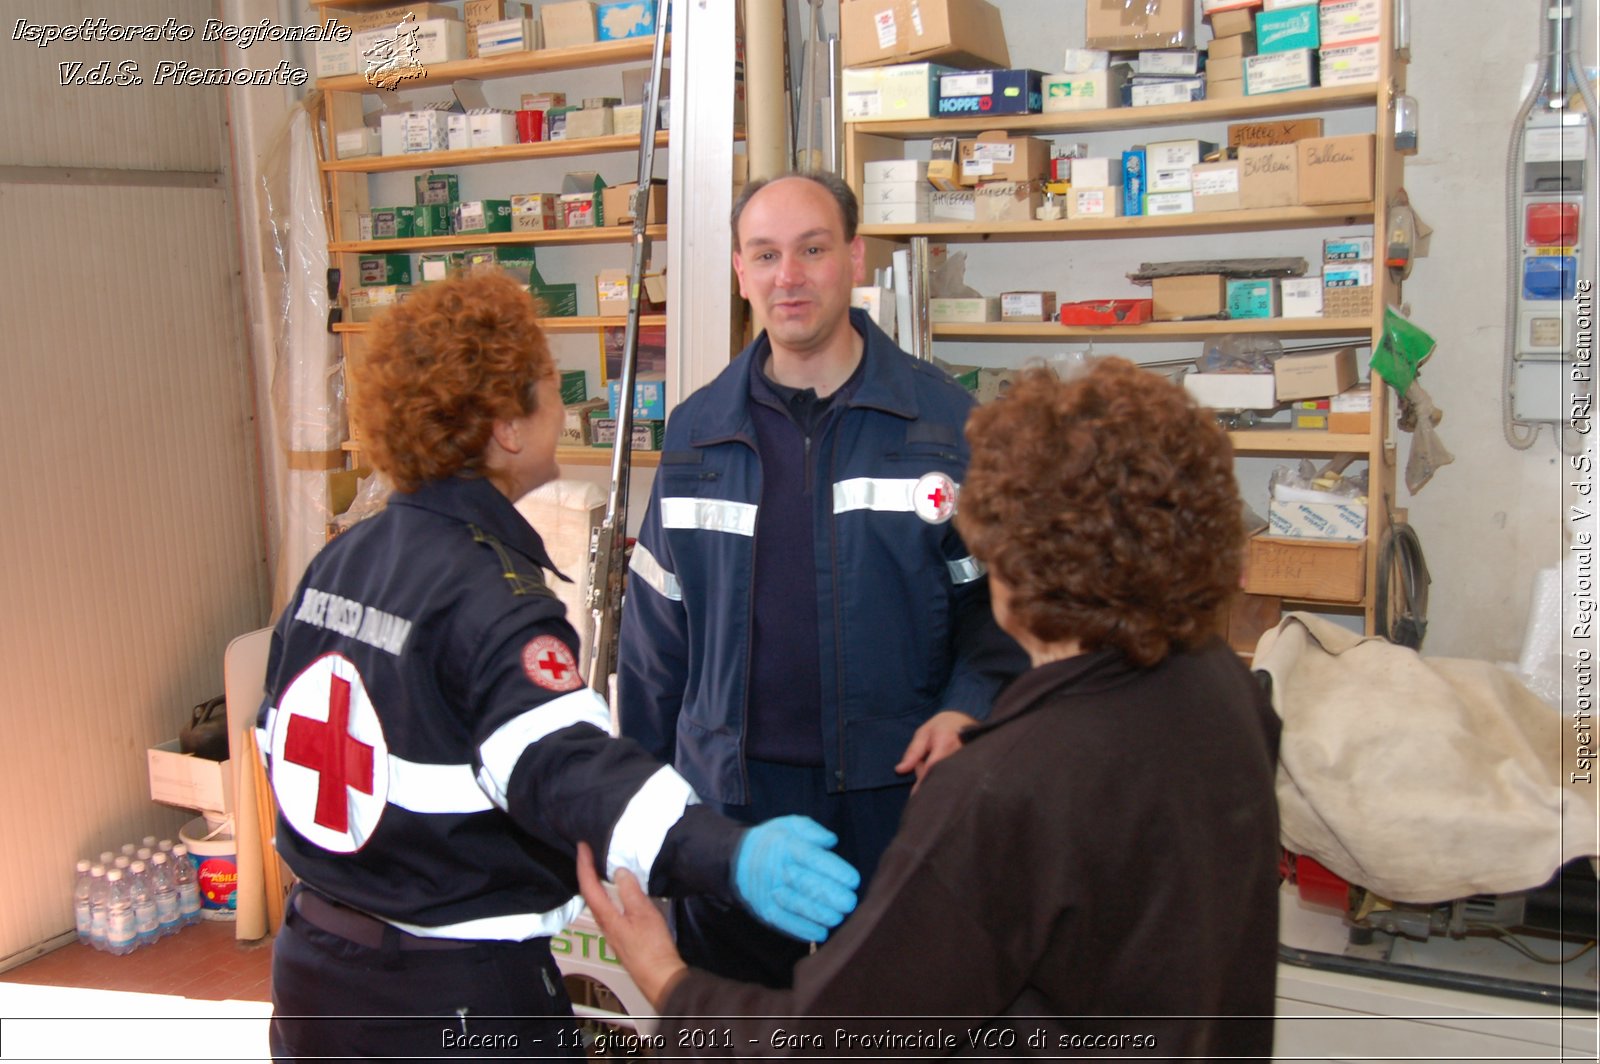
x=1095, y=869
x=435, y=753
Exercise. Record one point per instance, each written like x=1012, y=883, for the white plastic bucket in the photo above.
x=210, y=842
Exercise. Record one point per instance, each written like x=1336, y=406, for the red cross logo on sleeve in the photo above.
x=339, y=760
x=329, y=757
x=934, y=498
x=550, y=664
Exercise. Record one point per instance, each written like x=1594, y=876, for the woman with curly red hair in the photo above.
x=434, y=752
x=1096, y=867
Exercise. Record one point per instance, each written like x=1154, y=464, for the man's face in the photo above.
x=795, y=266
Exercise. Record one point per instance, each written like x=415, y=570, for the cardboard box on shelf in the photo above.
x=1269, y=132
x=892, y=93
x=1325, y=570
x=1286, y=29
x=611, y=293
x=1232, y=391
x=1317, y=520
x=993, y=156
x=1349, y=21
x=906, y=213
x=990, y=92
x=1280, y=71
x=1089, y=90
x=647, y=435
x=1093, y=202
x=590, y=122
x=1315, y=376
x=943, y=310
x=1224, y=89
x=534, y=212
x=649, y=397
x=1217, y=187
x=1300, y=297
x=1351, y=411
x=1235, y=47
x=1008, y=201
x=1027, y=306
x=1347, y=302
x=962, y=32
x=1336, y=169
x=1234, y=23
x=1195, y=295
x=569, y=24
x=1115, y=25
x=484, y=216
x=575, y=422
x=617, y=203
x=621, y=19
x=1252, y=297
x=1269, y=177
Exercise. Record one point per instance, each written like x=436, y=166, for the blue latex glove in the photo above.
x=786, y=875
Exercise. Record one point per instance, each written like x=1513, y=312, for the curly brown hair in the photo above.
x=1107, y=503
x=439, y=369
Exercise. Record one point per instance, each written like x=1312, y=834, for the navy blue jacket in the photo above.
x=905, y=628
x=434, y=752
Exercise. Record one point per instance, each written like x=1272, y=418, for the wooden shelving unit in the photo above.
x=872, y=141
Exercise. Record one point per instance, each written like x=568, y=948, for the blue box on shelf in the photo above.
x=649, y=398
x=990, y=92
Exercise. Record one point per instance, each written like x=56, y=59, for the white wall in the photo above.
x=132, y=537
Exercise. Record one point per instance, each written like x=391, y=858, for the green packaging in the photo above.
x=574, y=386
x=394, y=223
x=385, y=269
x=438, y=188
x=484, y=216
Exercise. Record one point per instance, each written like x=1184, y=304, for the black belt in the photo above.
x=364, y=930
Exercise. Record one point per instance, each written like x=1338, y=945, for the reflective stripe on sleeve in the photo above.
x=966, y=570
x=502, y=750
x=424, y=788
x=638, y=833
x=709, y=515
x=644, y=564
x=873, y=493
x=518, y=927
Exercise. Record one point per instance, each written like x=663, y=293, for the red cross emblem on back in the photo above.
x=327, y=748
x=330, y=760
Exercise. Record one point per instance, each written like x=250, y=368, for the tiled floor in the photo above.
x=203, y=962
x=199, y=995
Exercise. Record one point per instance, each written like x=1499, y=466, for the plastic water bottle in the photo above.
x=148, y=843
x=121, y=861
x=122, y=935
x=144, y=854
x=82, y=913
x=145, y=921
x=106, y=858
x=165, y=846
x=97, y=906
x=187, y=880
x=128, y=850
x=169, y=919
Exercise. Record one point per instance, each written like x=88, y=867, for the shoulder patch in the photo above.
x=549, y=664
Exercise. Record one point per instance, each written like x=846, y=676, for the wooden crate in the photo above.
x=1322, y=569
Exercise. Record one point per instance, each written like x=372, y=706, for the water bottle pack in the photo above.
x=131, y=898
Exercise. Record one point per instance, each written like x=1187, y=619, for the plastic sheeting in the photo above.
x=307, y=381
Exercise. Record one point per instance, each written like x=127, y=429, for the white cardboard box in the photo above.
x=192, y=782
x=1317, y=520
x=1233, y=391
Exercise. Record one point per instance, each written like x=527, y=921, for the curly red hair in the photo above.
x=1108, y=505
x=439, y=369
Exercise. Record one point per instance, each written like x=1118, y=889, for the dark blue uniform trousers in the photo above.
x=332, y=997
